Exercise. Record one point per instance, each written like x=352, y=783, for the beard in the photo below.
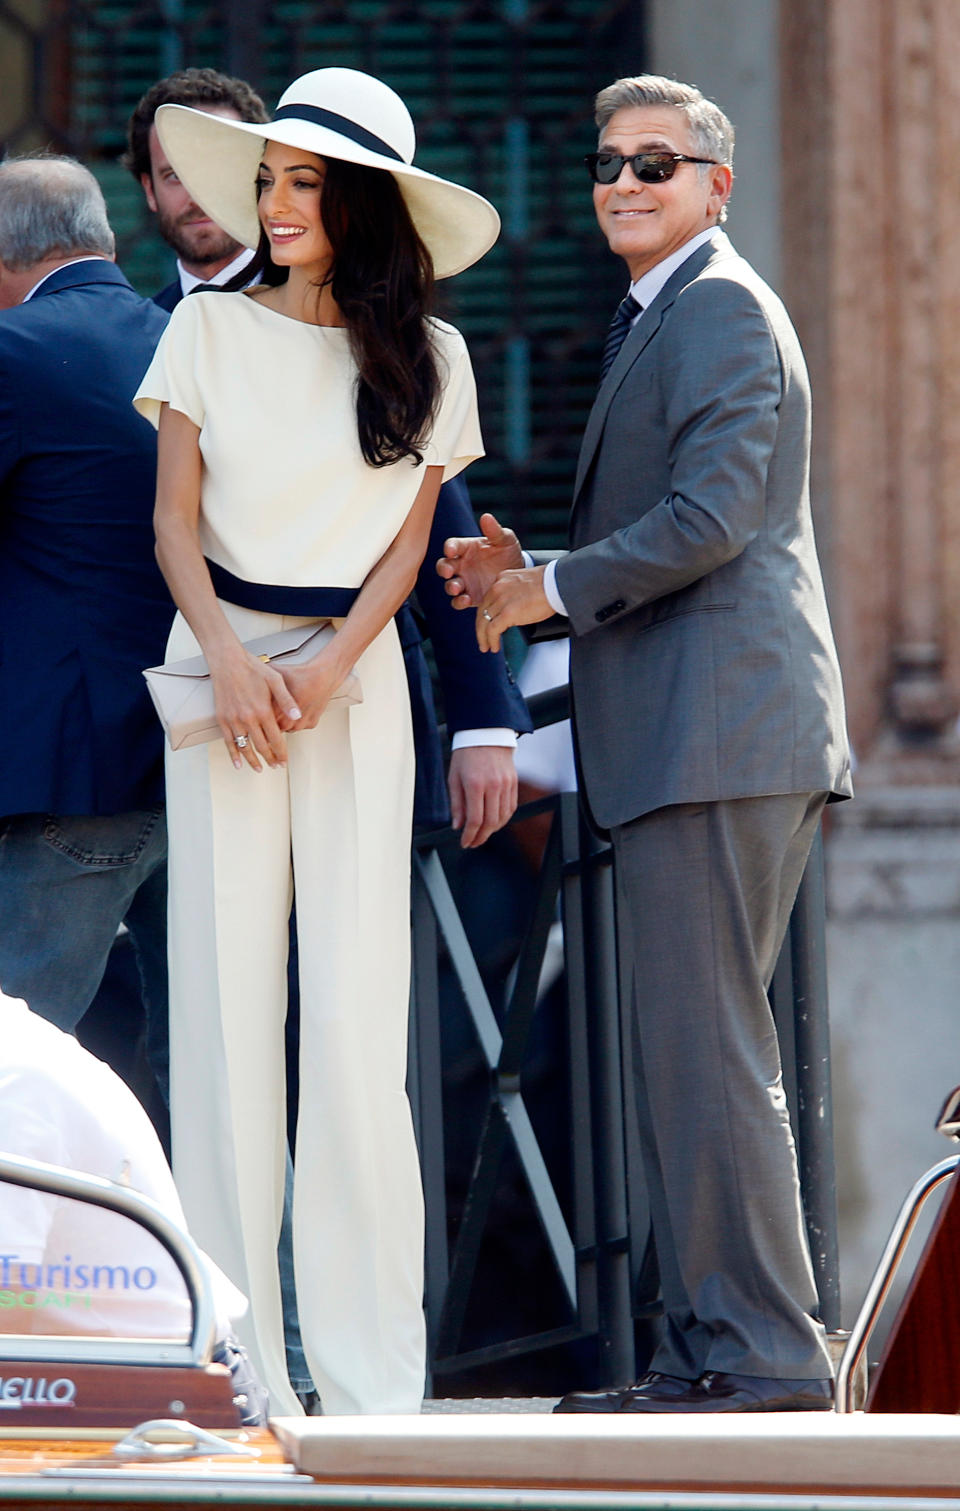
x=200, y=245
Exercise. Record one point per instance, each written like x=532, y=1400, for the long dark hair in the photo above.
x=382, y=280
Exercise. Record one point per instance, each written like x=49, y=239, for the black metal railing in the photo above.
x=595, y=1231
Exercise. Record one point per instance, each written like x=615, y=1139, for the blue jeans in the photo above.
x=66, y=885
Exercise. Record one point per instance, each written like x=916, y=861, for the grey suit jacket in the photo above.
x=702, y=659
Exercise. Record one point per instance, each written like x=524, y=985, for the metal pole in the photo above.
x=814, y=1113
x=581, y=1089
x=617, y=1355
x=425, y=1086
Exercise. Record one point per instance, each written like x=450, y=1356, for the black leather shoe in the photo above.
x=613, y=1400
x=715, y=1391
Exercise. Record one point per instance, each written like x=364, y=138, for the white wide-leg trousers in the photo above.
x=336, y=825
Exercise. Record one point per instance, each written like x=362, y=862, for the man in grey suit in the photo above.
x=710, y=729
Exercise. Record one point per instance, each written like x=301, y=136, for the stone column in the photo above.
x=871, y=221
x=870, y=123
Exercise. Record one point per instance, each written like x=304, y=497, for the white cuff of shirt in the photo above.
x=550, y=588
x=464, y=738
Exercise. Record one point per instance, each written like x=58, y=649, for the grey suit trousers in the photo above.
x=704, y=897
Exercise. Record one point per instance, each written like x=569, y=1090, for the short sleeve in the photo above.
x=171, y=377
x=455, y=440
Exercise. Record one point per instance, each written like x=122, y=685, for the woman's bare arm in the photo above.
x=386, y=587
x=252, y=699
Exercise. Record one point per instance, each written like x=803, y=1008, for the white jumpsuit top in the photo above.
x=287, y=500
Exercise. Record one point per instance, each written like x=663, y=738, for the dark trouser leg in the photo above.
x=66, y=885
x=705, y=896
x=146, y=920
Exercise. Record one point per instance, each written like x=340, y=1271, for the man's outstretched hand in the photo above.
x=471, y=564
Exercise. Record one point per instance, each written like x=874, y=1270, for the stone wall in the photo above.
x=861, y=100
x=893, y=939
x=870, y=131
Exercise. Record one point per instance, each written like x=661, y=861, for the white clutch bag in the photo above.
x=182, y=692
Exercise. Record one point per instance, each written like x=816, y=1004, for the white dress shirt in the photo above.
x=190, y=281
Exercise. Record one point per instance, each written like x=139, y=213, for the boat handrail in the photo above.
x=73, y=1348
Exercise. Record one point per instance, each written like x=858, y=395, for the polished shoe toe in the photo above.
x=615, y=1400
x=754, y=1393
x=589, y=1400
x=716, y=1391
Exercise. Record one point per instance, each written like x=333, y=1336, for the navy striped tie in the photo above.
x=627, y=311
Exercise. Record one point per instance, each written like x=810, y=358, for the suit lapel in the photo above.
x=643, y=332
x=639, y=337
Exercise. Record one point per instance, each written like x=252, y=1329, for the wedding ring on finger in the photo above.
x=487, y=617
x=241, y=742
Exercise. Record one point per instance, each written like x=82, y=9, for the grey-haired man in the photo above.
x=710, y=729
x=82, y=605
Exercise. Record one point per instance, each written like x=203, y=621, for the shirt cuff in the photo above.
x=549, y=585
x=551, y=590
x=465, y=738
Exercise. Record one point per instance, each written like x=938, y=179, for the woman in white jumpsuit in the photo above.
x=304, y=430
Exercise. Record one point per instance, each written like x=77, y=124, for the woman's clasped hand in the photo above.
x=255, y=701
x=314, y=685
x=254, y=706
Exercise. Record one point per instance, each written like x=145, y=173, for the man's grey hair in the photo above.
x=50, y=207
x=711, y=134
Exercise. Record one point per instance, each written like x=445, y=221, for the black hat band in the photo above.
x=341, y=124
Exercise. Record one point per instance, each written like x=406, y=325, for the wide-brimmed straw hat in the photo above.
x=335, y=112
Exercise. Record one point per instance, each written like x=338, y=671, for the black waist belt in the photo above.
x=273, y=598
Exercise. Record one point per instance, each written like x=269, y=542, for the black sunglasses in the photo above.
x=648, y=167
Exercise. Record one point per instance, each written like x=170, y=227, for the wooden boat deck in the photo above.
x=492, y=1462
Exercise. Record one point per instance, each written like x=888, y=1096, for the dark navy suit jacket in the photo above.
x=83, y=607
x=478, y=690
